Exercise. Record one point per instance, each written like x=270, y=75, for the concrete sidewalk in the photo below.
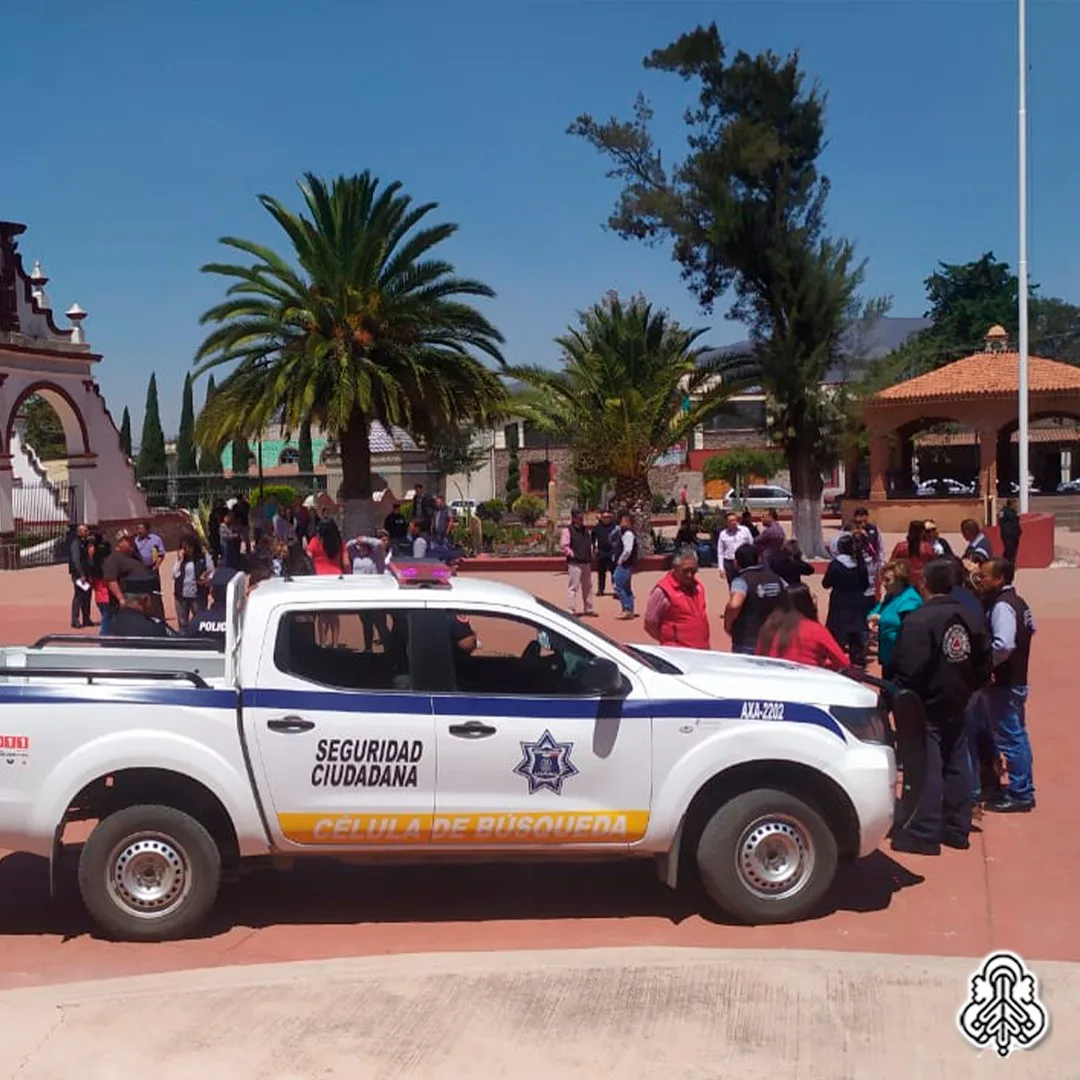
x=618, y=1013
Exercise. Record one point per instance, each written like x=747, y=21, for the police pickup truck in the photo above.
x=409, y=716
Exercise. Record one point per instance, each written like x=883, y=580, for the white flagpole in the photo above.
x=1022, y=269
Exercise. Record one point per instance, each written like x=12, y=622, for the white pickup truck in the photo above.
x=419, y=718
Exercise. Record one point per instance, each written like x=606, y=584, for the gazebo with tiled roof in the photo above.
x=979, y=392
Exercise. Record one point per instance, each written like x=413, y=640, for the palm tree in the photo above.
x=364, y=323
x=633, y=386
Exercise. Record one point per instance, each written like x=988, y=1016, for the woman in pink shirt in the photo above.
x=327, y=555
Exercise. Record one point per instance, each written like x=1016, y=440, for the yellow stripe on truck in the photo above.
x=508, y=827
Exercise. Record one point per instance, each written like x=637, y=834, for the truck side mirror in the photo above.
x=602, y=677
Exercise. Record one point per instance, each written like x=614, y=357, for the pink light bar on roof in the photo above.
x=420, y=572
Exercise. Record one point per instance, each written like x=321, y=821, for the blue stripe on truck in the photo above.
x=491, y=706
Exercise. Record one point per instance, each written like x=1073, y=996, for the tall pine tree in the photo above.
x=152, y=444
x=304, y=448
x=210, y=460
x=125, y=432
x=186, y=464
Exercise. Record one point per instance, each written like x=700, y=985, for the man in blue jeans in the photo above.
x=1011, y=630
x=625, y=551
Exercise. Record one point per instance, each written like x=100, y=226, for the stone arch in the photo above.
x=76, y=434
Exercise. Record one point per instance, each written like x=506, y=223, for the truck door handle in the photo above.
x=290, y=725
x=472, y=730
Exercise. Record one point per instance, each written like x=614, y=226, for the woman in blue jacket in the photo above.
x=900, y=598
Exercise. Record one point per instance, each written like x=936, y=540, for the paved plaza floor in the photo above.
x=1016, y=888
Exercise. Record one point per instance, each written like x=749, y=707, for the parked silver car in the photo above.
x=759, y=497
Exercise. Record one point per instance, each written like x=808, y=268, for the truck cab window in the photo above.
x=499, y=654
x=366, y=650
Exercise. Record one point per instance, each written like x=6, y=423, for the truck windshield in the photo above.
x=640, y=655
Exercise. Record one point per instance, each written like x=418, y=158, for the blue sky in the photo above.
x=135, y=135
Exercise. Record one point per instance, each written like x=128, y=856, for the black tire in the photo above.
x=160, y=840
x=751, y=824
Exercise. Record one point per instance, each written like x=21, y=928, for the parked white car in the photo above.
x=759, y=497
x=944, y=487
x=482, y=723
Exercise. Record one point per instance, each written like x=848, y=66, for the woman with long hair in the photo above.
x=792, y=632
x=326, y=550
x=327, y=554
x=789, y=563
x=191, y=579
x=916, y=550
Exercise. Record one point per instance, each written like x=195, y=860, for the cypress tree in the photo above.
x=152, y=444
x=241, y=455
x=513, y=466
x=125, y=432
x=185, y=441
x=210, y=460
x=304, y=448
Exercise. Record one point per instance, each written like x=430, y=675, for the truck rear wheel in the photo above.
x=766, y=856
x=149, y=873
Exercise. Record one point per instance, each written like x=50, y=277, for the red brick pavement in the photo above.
x=1015, y=888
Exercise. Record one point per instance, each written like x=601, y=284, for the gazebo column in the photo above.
x=988, y=471
x=879, y=465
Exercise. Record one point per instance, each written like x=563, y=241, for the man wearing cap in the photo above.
x=211, y=622
x=133, y=619
x=123, y=565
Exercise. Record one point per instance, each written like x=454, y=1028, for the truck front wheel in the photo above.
x=766, y=857
x=149, y=873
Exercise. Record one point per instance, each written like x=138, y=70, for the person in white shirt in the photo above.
x=730, y=539
x=418, y=539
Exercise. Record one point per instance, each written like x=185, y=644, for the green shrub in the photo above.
x=659, y=502
x=530, y=508
x=282, y=494
x=492, y=510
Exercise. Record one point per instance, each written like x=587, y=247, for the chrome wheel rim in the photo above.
x=775, y=857
x=148, y=875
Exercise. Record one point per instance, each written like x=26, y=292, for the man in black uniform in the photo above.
x=943, y=655
x=132, y=618
x=755, y=592
x=211, y=623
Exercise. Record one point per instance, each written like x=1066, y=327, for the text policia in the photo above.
x=510, y=827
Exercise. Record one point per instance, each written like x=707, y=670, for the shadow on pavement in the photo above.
x=323, y=892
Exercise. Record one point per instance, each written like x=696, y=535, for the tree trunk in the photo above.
x=633, y=496
x=355, y=491
x=807, y=487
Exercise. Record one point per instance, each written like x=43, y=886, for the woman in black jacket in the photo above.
x=789, y=563
x=847, y=580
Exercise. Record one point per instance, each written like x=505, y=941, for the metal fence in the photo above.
x=187, y=492
x=44, y=513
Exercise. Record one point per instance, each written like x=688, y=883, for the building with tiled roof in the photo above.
x=993, y=372
x=974, y=402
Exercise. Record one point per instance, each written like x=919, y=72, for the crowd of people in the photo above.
x=122, y=575
x=950, y=628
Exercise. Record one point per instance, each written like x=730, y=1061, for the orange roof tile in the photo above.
x=984, y=374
